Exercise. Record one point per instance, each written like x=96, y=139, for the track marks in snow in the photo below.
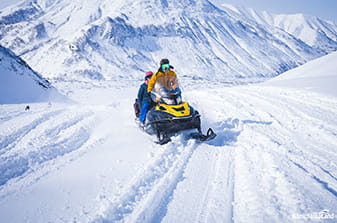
x=26, y=124
x=283, y=150
x=51, y=135
x=147, y=196
x=221, y=196
x=274, y=161
x=307, y=135
x=207, y=193
x=263, y=190
x=301, y=140
x=272, y=158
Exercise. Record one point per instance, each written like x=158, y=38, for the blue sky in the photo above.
x=325, y=9
x=5, y=3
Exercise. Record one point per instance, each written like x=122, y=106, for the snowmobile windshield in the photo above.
x=166, y=90
x=166, y=82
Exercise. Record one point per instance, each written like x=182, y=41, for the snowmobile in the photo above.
x=170, y=114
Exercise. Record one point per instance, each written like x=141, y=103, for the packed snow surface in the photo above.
x=273, y=160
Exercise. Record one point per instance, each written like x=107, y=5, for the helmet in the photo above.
x=164, y=61
x=148, y=75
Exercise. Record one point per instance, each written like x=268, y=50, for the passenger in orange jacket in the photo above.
x=164, y=69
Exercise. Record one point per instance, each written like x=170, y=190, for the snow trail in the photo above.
x=147, y=196
x=21, y=128
x=49, y=135
x=273, y=159
x=285, y=135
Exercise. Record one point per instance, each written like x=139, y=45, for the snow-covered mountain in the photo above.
x=273, y=160
x=20, y=84
x=315, y=32
x=100, y=39
x=274, y=157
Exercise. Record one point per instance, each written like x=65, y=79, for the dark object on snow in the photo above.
x=27, y=108
x=136, y=108
x=170, y=114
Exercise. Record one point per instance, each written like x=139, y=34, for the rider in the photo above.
x=164, y=69
x=144, y=98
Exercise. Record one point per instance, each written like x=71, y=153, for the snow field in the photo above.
x=274, y=157
x=267, y=163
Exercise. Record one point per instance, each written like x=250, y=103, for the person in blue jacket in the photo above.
x=144, y=97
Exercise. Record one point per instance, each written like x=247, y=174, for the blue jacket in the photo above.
x=143, y=95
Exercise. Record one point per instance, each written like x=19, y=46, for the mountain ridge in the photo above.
x=316, y=32
x=105, y=42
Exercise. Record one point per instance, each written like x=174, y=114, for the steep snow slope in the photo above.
x=316, y=32
x=309, y=77
x=103, y=40
x=20, y=84
x=274, y=159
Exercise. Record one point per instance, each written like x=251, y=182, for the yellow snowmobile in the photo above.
x=170, y=114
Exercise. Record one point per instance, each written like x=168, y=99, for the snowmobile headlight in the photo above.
x=169, y=101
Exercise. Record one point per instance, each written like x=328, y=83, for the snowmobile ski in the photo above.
x=163, y=138
x=201, y=137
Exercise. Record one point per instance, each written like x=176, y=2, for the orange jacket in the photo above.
x=154, y=77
